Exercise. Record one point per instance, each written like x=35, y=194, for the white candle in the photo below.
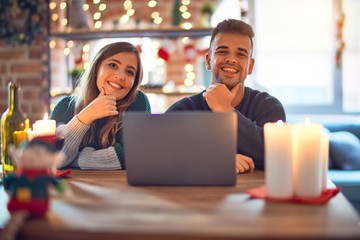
x=324, y=160
x=30, y=134
x=278, y=160
x=44, y=127
x=307, y=159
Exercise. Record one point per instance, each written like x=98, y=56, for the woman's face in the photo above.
x=116, y=74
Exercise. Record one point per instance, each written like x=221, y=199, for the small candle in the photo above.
x=307, y=159
x=19, y=137
x=278, y=160
x=44, y=127
x=324, y=159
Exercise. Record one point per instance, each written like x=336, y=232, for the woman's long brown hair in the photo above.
x=88, y=91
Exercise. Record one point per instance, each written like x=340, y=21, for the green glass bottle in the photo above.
x=14, y=126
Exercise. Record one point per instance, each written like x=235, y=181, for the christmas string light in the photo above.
x=52, y=5
x=185, y=14
x=52, y=44
x=155, y=15
x=152, y=3
x=129, y=11
x=63, y=5
x=97, y=15
x=57, y=11
x=102, y=7
x=85, y=7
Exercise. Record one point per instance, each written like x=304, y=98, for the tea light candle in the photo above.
x=324, y=159
x=307, y=159
x=278, y=160
x=44, y=127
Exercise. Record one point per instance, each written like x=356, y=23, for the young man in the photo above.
x=230, y=60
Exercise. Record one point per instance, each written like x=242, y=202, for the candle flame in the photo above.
x=46, y=116
x=307, y=121
x=280, y=123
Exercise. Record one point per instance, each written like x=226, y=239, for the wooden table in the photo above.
x=103, y=206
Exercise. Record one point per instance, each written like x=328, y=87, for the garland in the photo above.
x=21, y=21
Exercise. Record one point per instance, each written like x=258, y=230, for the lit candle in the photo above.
x=278, y=160
x=44, y=127
x=307, y=159
x=324, y=160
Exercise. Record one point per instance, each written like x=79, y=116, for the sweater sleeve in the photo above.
x=102, y=159
x=73, y=137
x=63, y=113
x=251, y=130
x=250, y=140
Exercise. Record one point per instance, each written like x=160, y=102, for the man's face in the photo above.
x=229, y=59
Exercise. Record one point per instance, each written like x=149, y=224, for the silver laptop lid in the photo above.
x=180, y=148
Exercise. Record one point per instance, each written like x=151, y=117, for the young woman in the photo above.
x=93, y=116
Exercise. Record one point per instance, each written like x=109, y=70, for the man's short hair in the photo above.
x=233, y=26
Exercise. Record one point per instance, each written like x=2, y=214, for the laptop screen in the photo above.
x=180, y=148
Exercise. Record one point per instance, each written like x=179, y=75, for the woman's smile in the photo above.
x=115, y=85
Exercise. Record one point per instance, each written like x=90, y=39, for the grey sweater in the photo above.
x=92, y=156
x=256, y=109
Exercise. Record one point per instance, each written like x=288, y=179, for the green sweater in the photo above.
x=92, y=156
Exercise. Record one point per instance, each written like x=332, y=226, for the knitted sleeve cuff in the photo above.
x=102, y=159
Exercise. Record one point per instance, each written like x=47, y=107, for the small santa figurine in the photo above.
x=35, y=170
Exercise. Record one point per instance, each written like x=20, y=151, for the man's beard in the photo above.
x=230, y=86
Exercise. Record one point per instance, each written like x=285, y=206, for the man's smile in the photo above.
x=229, y=69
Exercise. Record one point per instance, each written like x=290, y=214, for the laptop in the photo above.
x=180, y=148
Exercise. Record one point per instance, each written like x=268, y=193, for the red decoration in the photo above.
x=166, y=49
x=326, y=195
x=162, y=53
x=78, y=58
